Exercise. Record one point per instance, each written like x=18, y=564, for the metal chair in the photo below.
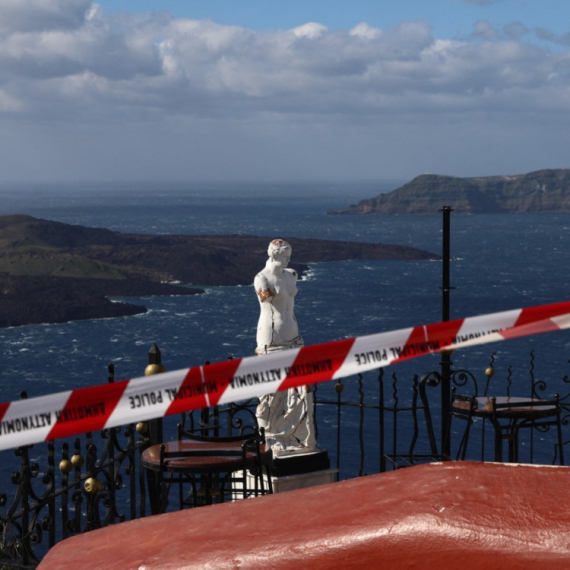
x=463, y=407
x=216, y=469
x=398, y=459
x=508, y=415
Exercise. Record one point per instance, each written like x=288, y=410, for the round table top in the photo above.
x=202, y=457
x=508, y=406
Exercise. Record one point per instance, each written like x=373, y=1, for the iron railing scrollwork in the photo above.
x=79, y=494
x=371, y=423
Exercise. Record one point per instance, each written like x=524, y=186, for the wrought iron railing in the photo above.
x=369, y=424
x=395, y=422
x=58, y=492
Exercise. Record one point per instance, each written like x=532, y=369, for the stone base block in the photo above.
x=303, y=480
x=299, y=463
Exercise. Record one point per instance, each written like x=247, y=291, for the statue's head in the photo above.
x=279, y=249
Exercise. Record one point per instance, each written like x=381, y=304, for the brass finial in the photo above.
x=65, y=466
x=77, y=461
x=154, y=362
x=93, y=485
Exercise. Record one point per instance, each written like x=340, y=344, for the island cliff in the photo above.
x=540, y=191
x=52, y=272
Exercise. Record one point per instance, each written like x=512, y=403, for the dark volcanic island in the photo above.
x=540, y=191
x=52, y=272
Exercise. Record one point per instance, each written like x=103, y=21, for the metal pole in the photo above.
x=154, y=478
x=445, y=362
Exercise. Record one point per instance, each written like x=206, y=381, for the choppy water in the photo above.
x=500, y=262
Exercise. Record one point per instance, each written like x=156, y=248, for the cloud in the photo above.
x=67, y=62
x=311, y=30
x=40, y=15
x=555, y=39
x=364, y=30
x=83, y=61
x=516, y=30
x=485, y=31
x=80, y=59
x=9, y=103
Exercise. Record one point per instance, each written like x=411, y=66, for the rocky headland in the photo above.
x=51, y=272
x=540, y=191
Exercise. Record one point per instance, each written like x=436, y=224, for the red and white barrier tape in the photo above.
x=109, y=405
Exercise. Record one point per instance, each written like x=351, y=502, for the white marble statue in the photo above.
x=287, y=416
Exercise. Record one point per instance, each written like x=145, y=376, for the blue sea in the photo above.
x=500, y=262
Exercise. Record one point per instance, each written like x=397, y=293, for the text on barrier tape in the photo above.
x=110, y=405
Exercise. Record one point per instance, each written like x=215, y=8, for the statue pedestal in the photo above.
x=299, y=463
x=300, y=470
x=303, y=480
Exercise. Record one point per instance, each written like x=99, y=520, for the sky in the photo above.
x=275, y=90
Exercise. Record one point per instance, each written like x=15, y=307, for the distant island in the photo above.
x=51, y=272
x=540, y=191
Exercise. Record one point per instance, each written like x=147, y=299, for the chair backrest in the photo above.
x=421, y=430
x=425, y=381
x=234, y=419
